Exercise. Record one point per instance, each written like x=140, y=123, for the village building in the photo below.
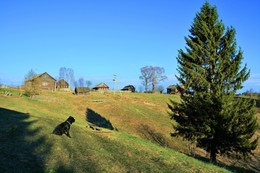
x=62, y=85
x=175, y=89
x=43, y=81
x=130, y=88
x=172, y=89
x=82, y=90
x=100, y=87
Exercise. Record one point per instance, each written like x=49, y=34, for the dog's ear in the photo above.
x=72, y=119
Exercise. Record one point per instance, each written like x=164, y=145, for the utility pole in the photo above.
x=115, y=81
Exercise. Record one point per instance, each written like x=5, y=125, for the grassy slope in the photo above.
x=27, y=142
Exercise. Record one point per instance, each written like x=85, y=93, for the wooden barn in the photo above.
x=62, y=84
x=100, y=87
x=172, y=89
x=82, y=90
x=129, y=88
x=43, y=81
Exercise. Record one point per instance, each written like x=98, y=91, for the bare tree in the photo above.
x=70, y=75
x=67, y=74
x=31, y=87
x=81, y=82
x=153, y=75
x=75, y=83
x=62, y=73
x=157, y=76
x=146, y=76
x=31, y=73
x=89, y=83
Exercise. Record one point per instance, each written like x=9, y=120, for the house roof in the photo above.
x=62, y=80
x=101, y=85
x=175, y=86
x=128, y=86
x=39, y=75
x=48, y=75
x=172, y=87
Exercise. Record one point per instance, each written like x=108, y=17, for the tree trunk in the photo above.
x=146, y=86
x=153, y=88
x=213, y=155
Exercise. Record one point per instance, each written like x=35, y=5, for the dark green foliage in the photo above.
x=210, y=68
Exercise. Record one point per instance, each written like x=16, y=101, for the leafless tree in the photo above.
x=31, y=73
x=153, y=75
x=31, y=87
x=157, y=76
x=81, y=82
x=62, y=73
x=75, y=83
x=146, y=76
x=67, y=74
x=89, y=83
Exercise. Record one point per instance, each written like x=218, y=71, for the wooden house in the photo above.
x=175, y=89
x=130, y=88
x=43, y=81
x=100, y=87
x=172, y=89
x=62, y=84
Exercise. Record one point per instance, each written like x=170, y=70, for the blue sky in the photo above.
x=100, y=38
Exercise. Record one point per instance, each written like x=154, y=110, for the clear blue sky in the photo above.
x=100, y=38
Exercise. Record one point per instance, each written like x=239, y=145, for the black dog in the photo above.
x=64, y=127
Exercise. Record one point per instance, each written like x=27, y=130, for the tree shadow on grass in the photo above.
x=150, y=134
x=81, y=160
x=223, y=165
x=20, y=148
x=98, y=120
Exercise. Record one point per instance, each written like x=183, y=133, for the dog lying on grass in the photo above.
x=64, y=127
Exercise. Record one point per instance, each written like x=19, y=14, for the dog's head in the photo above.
x=71, y=120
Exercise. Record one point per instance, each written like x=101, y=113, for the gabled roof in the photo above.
x=47, y=74
x=101, y=85
x=175, y=86
x=172, y=87
x=62, y=80
x=128, y=86
x=39, y=75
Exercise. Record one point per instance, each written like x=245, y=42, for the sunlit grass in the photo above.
x=28, y=124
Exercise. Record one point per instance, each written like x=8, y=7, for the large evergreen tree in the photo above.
x=211, y=68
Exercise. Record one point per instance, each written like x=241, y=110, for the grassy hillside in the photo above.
x=139, y=143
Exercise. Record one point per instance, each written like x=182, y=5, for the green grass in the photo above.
x=27, y=144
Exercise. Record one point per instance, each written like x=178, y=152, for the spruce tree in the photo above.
x=210, y=68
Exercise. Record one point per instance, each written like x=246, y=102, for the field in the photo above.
x=134, y=136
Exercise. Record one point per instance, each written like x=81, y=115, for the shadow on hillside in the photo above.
x=98, y=120
x=19, y=149
x=150, y=134
x=223, y=165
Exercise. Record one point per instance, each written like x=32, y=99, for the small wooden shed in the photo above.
x=172, y=89
x=82, y=90
x=100, y=87
x=61, y=84
x=129, y=88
